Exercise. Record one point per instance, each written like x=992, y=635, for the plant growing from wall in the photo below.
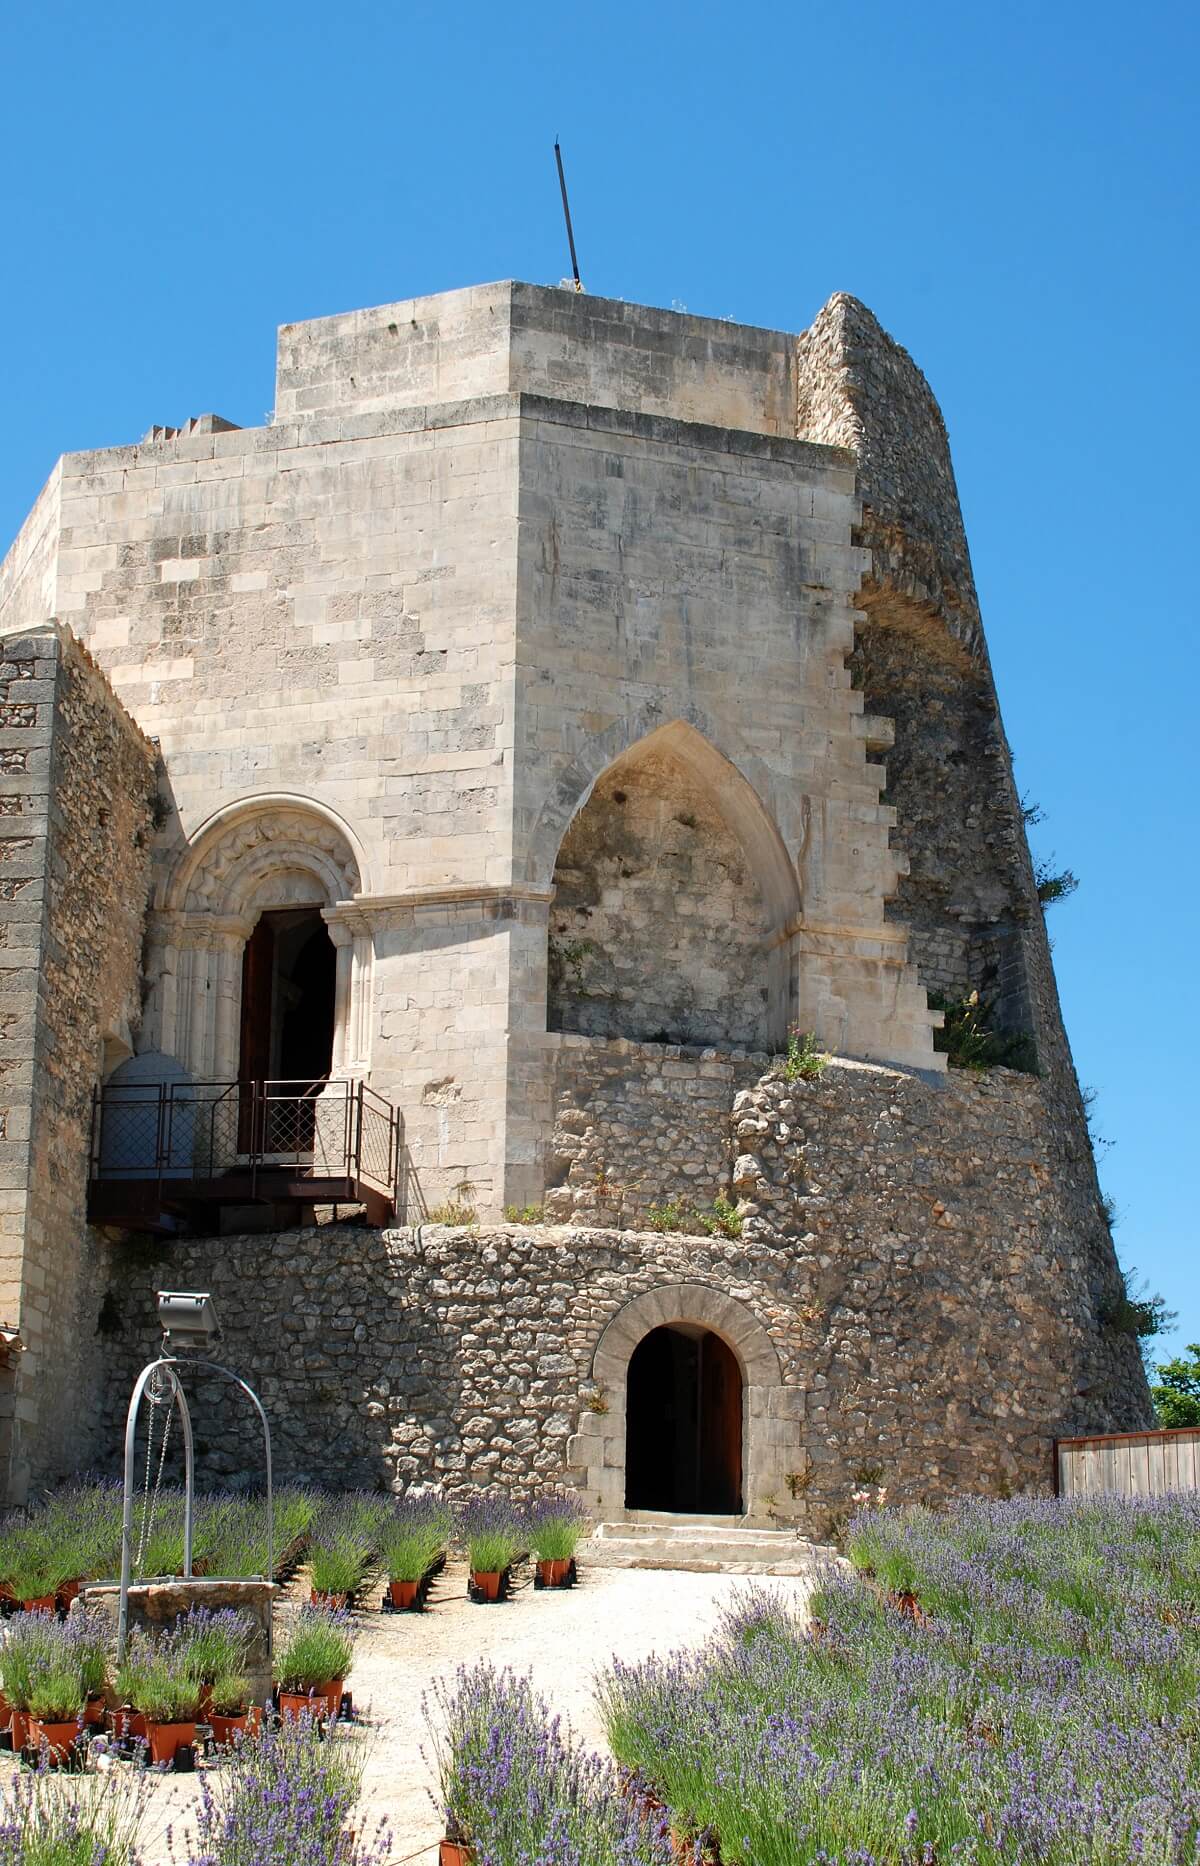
x=674, y=1215
x=724, y=1220
x=458, y=1210
x=1176, y=1393
x=802, y=1061
x=565, y=962
x=523, y=1214
x=1131, y=1310
x=1053, y=885
x=968, y=1039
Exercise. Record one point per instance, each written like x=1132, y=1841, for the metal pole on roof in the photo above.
x=562, y=182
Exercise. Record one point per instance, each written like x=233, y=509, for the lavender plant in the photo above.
x=491, y=1527
x=342, y=1540
x=32, y=1646
x=211, y=1644
x=286, y=1799
x=1018, y=1682
x=556, y=1521
x=49, y=1820
x=318, y=1650
x=413, y=1534
x=521, y=1789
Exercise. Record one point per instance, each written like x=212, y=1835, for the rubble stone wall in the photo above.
x=925, y=1284
x=657, y=930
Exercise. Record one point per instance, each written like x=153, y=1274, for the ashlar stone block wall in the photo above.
x=77, y=798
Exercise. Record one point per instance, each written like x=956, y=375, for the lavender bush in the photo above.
x=521, y=1789
x=75, y=1534
x=413, y=1533
x=493, y=1530
x=1019, y=1684
x=287, y=1799
x=556, y=1521
x=50, y=1820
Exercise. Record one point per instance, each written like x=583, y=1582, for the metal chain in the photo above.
x=156, y=1397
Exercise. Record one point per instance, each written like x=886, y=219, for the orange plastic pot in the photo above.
x=227, y=1729
x=69, y=1591
x=19, y=1729
x=166, y=1738
x=322, y=1701
x=455, y=1853
x=488, y=1584
x=403, y=1593
x=59, y=1738
x=128, y=1723
x=317, y=1598
x=41, y=1603
x=94, y=1712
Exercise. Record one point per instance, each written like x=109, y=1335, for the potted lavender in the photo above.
x=168, y=1698
x=495, y=1537
x=556, y=1524
x=412, y=1542
x=231, y=1715
x=311, y=1669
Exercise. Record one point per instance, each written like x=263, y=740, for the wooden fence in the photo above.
x=1137, y=1464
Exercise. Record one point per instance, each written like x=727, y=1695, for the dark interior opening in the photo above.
x=288, y=980
x=288, y=973
x=683, y=1443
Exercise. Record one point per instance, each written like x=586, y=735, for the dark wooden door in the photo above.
x=720, y=1483
x=254, y=1063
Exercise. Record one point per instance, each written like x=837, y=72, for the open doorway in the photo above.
x=288, y=986
x=683, y=1447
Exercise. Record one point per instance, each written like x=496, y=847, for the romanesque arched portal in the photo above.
x=770, y=1418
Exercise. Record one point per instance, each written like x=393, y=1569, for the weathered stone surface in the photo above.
x=545, y=646
x=75, y=849
x=157, y=1605
x=915, y=1295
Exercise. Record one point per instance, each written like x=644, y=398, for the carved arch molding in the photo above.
x=264, y=854
x=772, y=1413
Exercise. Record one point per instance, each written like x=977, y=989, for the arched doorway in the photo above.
x=684, y=1423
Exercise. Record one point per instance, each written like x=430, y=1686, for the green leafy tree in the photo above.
x=1177, y=1395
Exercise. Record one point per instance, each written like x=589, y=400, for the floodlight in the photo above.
x=188, y=1317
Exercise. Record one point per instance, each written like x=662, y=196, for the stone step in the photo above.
x=719, y=1547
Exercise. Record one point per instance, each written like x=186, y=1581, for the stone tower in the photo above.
x=519, y=701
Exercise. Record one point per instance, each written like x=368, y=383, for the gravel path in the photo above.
x=562, y=1638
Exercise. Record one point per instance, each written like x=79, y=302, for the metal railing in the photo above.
x=187, y=1133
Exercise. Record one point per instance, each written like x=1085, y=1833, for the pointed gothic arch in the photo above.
x=721, y=908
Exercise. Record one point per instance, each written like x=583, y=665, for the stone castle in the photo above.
x=429, y=814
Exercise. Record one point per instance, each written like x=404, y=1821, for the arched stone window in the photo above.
x=769, y=1414
x=673, y=894
x=258, y=912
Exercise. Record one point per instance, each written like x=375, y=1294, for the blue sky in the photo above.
x=1013, y=190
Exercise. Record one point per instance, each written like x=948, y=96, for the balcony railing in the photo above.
x=169, y=1146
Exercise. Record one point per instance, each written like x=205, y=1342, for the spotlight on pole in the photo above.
x=188, y=1318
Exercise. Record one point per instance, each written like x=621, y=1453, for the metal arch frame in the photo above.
x=171, y=1362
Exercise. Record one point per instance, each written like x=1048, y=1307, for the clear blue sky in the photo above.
x=1012, y=189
